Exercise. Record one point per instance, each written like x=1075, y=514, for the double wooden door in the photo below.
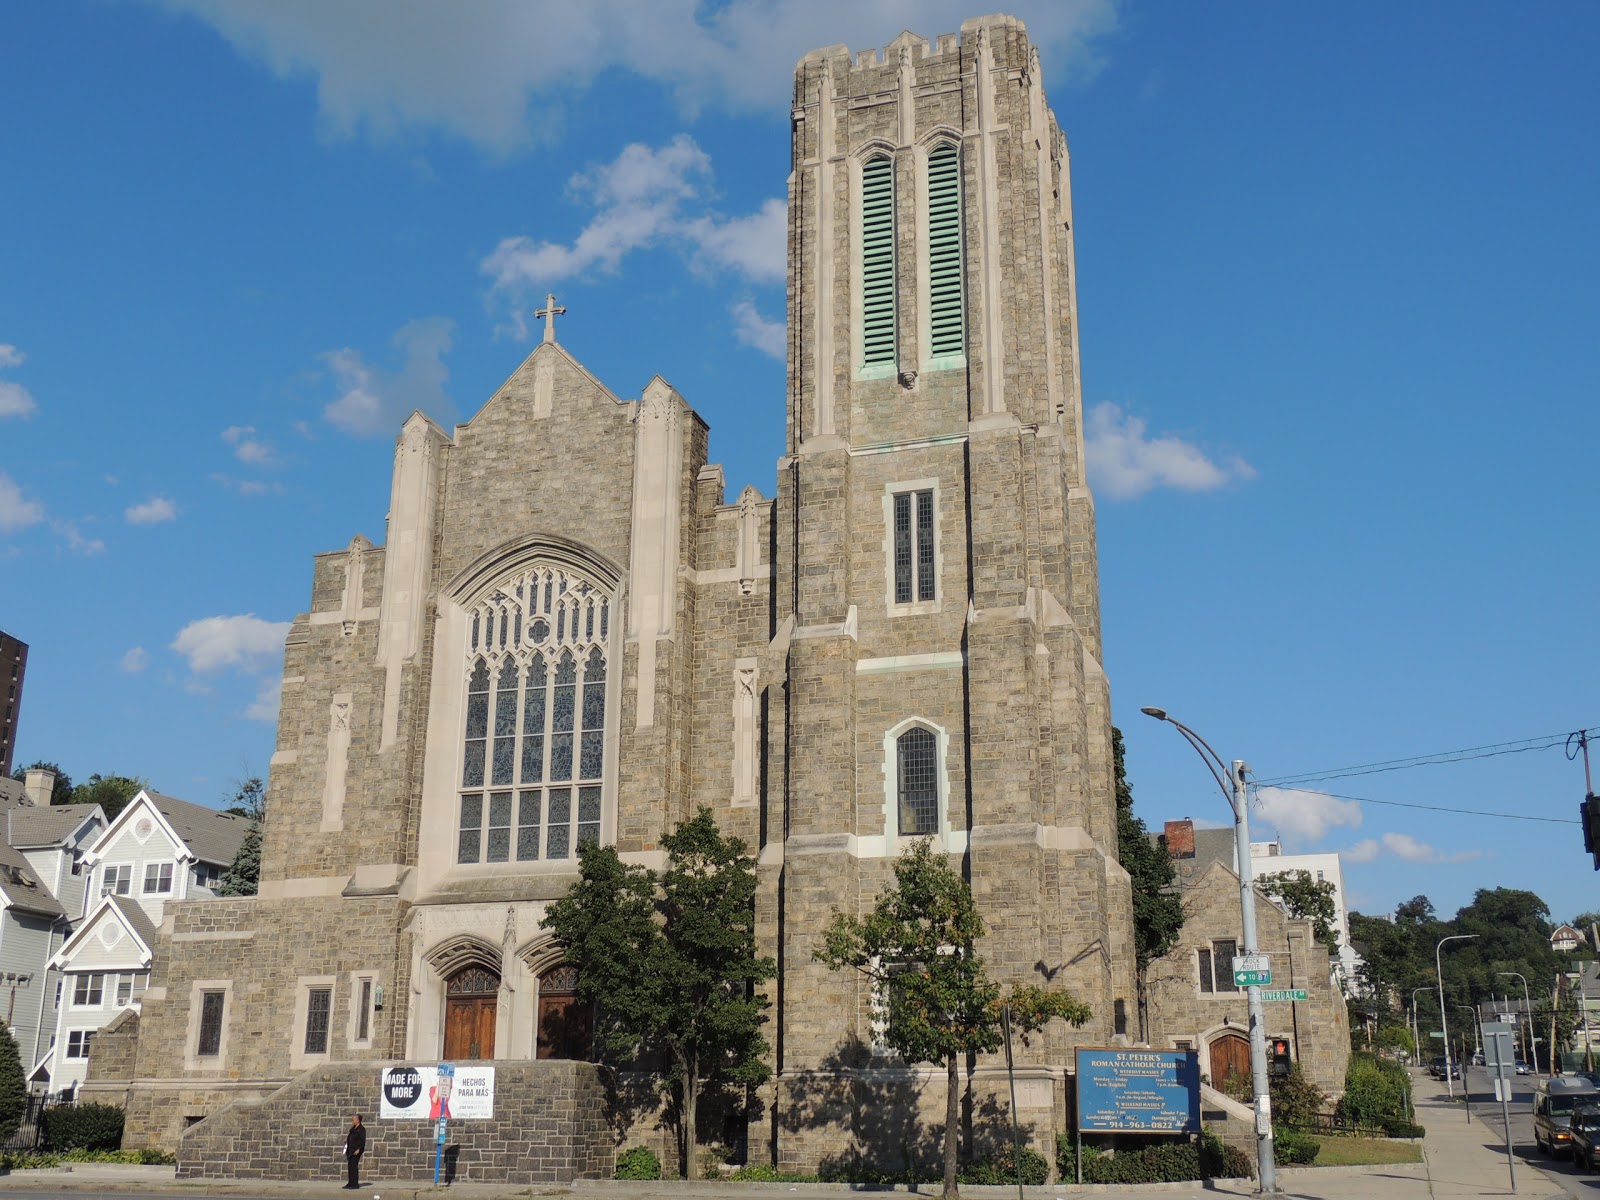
x=1230, y=1055
x=470, y=1008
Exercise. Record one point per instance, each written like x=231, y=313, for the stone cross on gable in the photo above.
x=549, y=313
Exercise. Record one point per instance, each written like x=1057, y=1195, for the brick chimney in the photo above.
x=1179, y=837
x=37, y=786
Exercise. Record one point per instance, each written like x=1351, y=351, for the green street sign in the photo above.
x=1284, y=994
x=1251, y=978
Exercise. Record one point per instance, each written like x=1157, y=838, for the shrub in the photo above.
x=1218, y=1160
x=1165, y=1161
x=13, y=1087
x=83, y=1127
x=1295, y=1099
x=1293, y=1148
x=1001, y=1168
x=761, y=1173
x=638, y=1162
x=1399, y=1127
x=1376, y=1091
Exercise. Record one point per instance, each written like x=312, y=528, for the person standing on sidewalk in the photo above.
x=355, y=1145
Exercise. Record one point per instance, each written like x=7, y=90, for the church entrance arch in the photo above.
x=566, y=1025
x=1230, y=1055
x=471, y=1003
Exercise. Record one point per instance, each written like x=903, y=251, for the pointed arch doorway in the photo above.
x=471, y=1006
x=566, y=1024
x=1230, y=1056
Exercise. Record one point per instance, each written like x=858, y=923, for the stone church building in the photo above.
x=902, y=642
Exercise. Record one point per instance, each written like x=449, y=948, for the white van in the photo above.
x=1553, y=1103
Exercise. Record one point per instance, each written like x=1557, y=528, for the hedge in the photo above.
x=82, y=1127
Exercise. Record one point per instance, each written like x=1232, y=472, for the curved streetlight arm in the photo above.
x=1213, y=760
x=1444, y=1020
x=1527, y=1012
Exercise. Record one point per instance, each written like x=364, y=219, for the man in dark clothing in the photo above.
x=355, y=1145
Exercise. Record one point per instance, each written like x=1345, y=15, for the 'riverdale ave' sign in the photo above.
x=1138, y=1091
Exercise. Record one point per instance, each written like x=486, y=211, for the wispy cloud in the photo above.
x=1304, y=818
x=497, y=72
x=1406, y=847
x=372, y=401
x=248, y=447
x=15, y=400
x=265, y=706
x=16, y=510
x=754, y=330
x=1125, y=462
x=647, y=197
x=135, y=660
x=77, y=541
x=152, y=512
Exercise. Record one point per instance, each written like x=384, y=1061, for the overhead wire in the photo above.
x=1526, y=745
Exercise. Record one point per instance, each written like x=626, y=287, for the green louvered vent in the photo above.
x=877, y=262
x=944, y=252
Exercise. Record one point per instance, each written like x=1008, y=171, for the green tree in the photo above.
x=61, y=792
x=1306, y=899
x=1157, y=909
x=13, y=1087
x=669, y=961
x=110, y=792
x=243, y=876
x=918, y=948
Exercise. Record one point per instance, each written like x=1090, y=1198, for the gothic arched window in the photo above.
x=946, y=322
x=877, y=262
x=533, y=757
x=917, y=778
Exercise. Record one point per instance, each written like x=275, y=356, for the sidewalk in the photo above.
x=1462, y=1159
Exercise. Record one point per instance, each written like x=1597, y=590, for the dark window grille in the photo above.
x=210, y=1024
x=919, y=783
x=364, y=1020
x=319, y=1009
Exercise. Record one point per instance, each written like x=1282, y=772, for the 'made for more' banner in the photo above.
x=412, y=1093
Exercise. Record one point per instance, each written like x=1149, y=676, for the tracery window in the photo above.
x=533, y=756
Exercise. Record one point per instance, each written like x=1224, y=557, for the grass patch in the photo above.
x=1360, y=1152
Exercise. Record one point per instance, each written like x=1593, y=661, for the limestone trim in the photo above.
x=363, y=999
x=299, y=1057
x=193, y=1061
x=746, y=731
x=463, y=950
x=658, y=485
x=340, y=712
x=521, y=553
x=939, y=660
x=922, y=443
x=302, y=887
x=215, y=935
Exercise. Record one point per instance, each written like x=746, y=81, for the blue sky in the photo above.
x=1336, y=271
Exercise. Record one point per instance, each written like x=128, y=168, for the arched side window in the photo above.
x=533, y=750
x=917, y=782
x=946, y=311
x=877, y=263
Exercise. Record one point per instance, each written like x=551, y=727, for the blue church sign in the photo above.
x=1138, y=1091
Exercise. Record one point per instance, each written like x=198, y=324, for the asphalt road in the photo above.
x=1486, y=1110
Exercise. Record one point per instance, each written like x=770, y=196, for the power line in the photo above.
x=1526, y=745
x=1469, y=812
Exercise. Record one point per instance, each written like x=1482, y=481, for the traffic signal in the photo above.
x=1589, y=815
x=1278, y=1049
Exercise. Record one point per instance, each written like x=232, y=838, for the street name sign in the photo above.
x=1284, y=994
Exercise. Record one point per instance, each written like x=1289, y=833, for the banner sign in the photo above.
x=412, y=1093
x=1138, y=1091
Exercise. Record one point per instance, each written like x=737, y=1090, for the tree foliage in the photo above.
x=249, y=799
x=243, y=876
x=918, y=948
x=110, y=792
x=1157, y=910
x=13, y=1086
x=1307, y=899
x=669, y=961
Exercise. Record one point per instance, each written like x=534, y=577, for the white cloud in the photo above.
x=265, y=706
x=754, y=330
x=1403, y=845
x=1304, y=817
x=135, y=660
x=375, y=402
x=497, y=72
x=248, y=448
x=15, y=400
x=246, y=642
x=16, y=510
x=152, y=512
x=646, y=197
x=76, y=540
x=1363, y=851
x=1124, y=462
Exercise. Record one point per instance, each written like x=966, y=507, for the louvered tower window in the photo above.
x=877, y=263
x=946, y=327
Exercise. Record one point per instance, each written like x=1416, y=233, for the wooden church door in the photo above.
x=470, y=1008
x=1230, y=1055
x=565, y=1026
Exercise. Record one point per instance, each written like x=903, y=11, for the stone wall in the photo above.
x=549, y=1126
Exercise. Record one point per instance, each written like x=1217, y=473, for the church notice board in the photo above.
x=413, y=1093
x=1138, y=1091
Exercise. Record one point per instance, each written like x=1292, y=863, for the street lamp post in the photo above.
x=1266, y=1168
x=1416, y=1021
x=1527, y=1012
x=1444, y=1022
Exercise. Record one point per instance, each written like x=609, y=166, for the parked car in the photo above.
x=1522, y=1067
x=1554, y=1102
x=1583, y=1133
x=1437, y=1068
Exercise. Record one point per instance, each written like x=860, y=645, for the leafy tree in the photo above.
x=1157, y=910
x=1583, y=922
x=110, y=792
x=13, y=1087
x=917, y=947
x=243, y=876
x=61, y=792
x=670, y=961
x=1307, y=899
x=1416, y=911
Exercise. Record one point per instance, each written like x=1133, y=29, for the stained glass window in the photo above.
x=915, y=567
x=919, y=783
x=535, y=716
